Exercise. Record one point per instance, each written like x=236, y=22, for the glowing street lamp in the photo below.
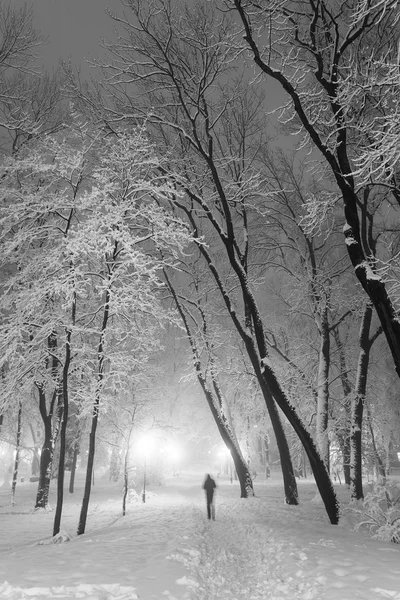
x=224, y=455
x=145, y=446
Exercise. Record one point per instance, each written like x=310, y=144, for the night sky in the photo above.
x=73, y=27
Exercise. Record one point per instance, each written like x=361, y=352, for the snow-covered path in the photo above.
x=264, y=550
x=166, y=549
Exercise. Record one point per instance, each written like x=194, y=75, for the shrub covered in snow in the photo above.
x=380, y=512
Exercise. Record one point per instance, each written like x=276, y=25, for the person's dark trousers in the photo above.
x=210, y=507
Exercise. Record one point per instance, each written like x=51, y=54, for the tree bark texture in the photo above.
x=323, y=388
x=318, y=466
x=357, y=406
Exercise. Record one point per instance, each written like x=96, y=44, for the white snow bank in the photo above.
x=86, y=592
x=166, y=549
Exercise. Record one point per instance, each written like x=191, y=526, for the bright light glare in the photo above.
x=145, y=444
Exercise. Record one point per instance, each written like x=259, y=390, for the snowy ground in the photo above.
x=166, y=549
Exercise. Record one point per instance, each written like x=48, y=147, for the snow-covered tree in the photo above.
x=81, y=222
x=337, y=63
x=179, y=59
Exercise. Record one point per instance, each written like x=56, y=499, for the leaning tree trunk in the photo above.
x=318, y=466
x=272, y=390
x=289, y=479
x=242, y=469
x=215, y=401
x=339, y=162
x=269, y=384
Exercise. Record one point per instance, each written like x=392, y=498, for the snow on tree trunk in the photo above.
x=318, y=466
x=46, y=463
x=63, y=433
x=95, y=412
x=357, y=406
x=17, y=453
x=323, y=389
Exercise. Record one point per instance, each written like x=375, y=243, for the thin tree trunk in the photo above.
x=17, y=451
x=346, y=452
x=63, y=433
x=73, y=468
x=215, y=402
x=378, y=461
x=126, y=466
x=89, y=468
x=343, y=429
x=95, y=418
x=50, y=429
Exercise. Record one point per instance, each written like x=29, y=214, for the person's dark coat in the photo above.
x=209, y=486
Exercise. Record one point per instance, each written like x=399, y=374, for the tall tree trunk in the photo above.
x=89, y=467
x=46, y=456
x=323, y=388
x=272, y=391
x=380, y=467
x=242, y=469
x=318, y=466
x=95, y=417
x=343, y=428
x=46, y=461
x=50, y=429
x=339, y=163
x=17, y=451
x=357, y=406
x=346, y=453
x=214, y=400
x=63, y=433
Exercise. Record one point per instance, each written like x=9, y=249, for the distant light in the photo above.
x=173, y=451
x=145, y=444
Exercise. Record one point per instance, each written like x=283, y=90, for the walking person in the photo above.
x=209, y=487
